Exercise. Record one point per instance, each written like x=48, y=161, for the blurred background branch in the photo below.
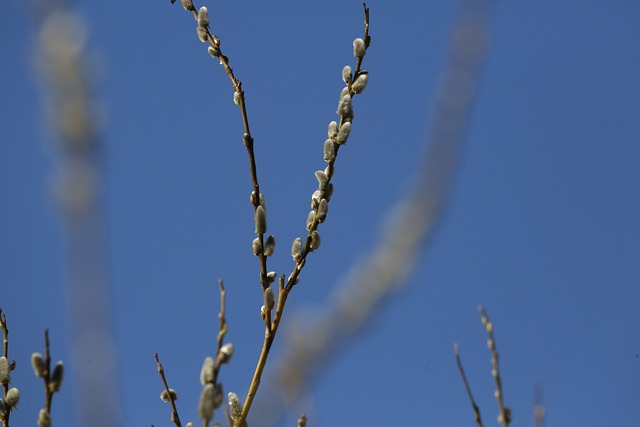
x=73, y=116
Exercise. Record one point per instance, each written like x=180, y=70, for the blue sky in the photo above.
x=541, y=227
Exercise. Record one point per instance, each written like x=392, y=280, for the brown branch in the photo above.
x=222, y=329
x=175, y=418
x=476, y=408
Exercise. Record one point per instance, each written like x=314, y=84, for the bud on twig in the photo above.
x=261, y=220
x=203, y=17
x=346, y=74
x=269, y=245
x=206, y=374
x=5, y=372
x=359, y=48
x=56, y=377
x=296, y=249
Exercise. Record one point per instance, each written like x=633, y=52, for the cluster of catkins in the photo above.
x=11, y=395
x=52, y=382
x=338, y=133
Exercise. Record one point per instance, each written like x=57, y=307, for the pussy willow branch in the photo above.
x=384, y=269
x=222, y=329
x=175, y=418
x=248, y=140
x=504, y=417
x=5, y=353
x=476, y=408
x=284, y=290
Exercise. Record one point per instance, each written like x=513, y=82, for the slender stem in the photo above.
x=174, y=410
x=476, y=408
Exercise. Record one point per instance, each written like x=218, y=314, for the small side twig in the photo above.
x=476, y=408
x=538, y=407
x=222, y=329
x=52, y=379
x=504, y=416
x=169, y=395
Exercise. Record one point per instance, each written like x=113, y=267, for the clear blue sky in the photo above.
x=542, y=226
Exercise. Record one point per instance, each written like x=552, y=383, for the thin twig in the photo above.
x=175, y=418
x=538, y=407
x=5, y=334
x=5, y=353
x=504, y=416
x=476, y=408
x=222, y=329
x=47, y=377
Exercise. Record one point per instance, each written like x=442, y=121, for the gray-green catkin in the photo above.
x=360, y=83
x=323, y=208
x=218, y=395
x=256, y=247
x=346, y=74
x=323, y=179
x=261, y=220
x=329, y=150
x=164, y=396
x=206, y=403
x=203, y=17
x=315, y=198
x=296, y=249
x=202, y=34
x=206, y=373
x=5, y=371
x=271, y=276
x=44, y=418
x=269, y=299
x=329, y=192
x=226, y=351
x=359, y=48
x=343, y=133
x=315, y=240
x=12, y=398
x=344, y=106
x=269, y=245
x=38, y=365
x=310, y=218
x=235, y=408
x=332, y=129
x=56, y=377
x=213, y=51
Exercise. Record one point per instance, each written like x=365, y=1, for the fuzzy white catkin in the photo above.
x=323, y=179
x=329, y=149
x=346, y=74
x=256, y=246
x=5, y=372
x=359, y=48
x=360, y=83
x=315, y=240
x=203, y=17
x=235, y=408
x=261, y=220
x=343, y=133
x=44, y=419
x=269, y=245
x=205, y=406
x=13, y=397
x=206, y=373
x=344, y=106
x=310, y=217
x=323, y=208
x=202, y=34
x=296, y=248
x=269, y=299
x=56, y=377
x=38, y=365
x=227, y=351
x=332, y=129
